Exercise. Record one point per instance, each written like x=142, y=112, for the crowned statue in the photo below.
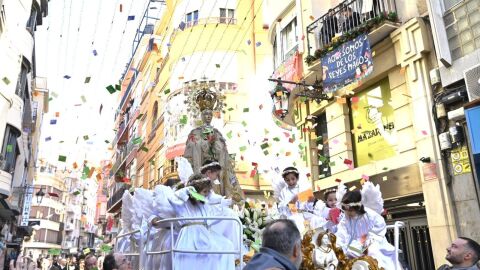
x=206, y=143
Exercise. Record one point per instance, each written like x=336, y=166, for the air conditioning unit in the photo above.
x=472, y=81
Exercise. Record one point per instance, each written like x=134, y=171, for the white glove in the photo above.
x=226, y=202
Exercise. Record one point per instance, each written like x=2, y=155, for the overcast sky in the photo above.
x=65, y=45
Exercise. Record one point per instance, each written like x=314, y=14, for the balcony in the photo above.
x=348, y=20
x=69, y=227
x=155, y=126
x=114, y=202
x=210, y=20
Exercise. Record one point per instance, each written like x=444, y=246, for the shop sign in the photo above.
x=175, y=151
x=375, y=136
x=460, y=161
x=347, y=65
x=26, y=206
x=290, y=70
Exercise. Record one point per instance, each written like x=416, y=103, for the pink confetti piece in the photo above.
x=365, y=177
x=424, y=132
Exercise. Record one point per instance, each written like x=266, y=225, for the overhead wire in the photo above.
x=211, y=35
x=198, y=40
x=233, y=40
x=241, y=39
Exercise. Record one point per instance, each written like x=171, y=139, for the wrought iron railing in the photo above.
x=117, y=196
x=347, y=17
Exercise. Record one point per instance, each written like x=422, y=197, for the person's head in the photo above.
x=352, y=203
x=90, y=261
x=109, y=262
x=201, y=184
x=463, y=252
x=282, y=235
x=290, y=176
x=62, y=262
x=74, y=259
x=171, y=182
x=330, y=12
x=211, y=169
x=207, y=116
x=330, y=198
x=122, y=262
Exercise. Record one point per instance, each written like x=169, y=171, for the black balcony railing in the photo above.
x=117, y=196
x=348, y=17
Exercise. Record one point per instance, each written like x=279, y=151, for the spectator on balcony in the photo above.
x=352, y=19
x=370, y=9
x=463, y=254
x=329, y=28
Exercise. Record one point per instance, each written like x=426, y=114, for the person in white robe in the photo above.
x=362, y=229
x=198, y=235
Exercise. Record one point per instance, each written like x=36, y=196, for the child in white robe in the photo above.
x=198, y=235
x=228, y=228
x=289, y=199
x=362, y=231
x=330, y=212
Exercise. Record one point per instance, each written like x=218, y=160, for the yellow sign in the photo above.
x=375, y=137
x=460, y=161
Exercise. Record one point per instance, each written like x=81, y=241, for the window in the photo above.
x=10, y=151
x=22, y=86
x=2, y=19
x=373, y=119
x=32, y=21
x=277, y=53
x=140, y=177
x=227, y=15
x=160, y=172
x=321, y=132
x=450, y=3
x=289, y=38
x=192, y=18
x=40, y=235
x=154, y=115
x=151, y=173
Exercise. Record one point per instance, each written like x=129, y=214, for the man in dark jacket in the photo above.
x=281, y=248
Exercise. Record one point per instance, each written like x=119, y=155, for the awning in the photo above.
x=175, y=151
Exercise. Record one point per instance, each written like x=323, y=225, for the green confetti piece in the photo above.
x=9, y=148
x=83, y=99
x=87, y=80
x=111, y=89
x=117, y=87
x=294, y=164
x=197, y=196
x=246, y=109
x=304, y=158
x=139, y=116
x=244, y=123
x=61, y=141
x=229, y=134
x=230, y=109
x=277, y=139
x=106, y=248
x=62, y=158
x=55, y=95
x=243, y=148
x=370, y=155
x=385, y=168
x=266, y=131
x=331, y=164
x=319, y=139
x=183, y=120
x=107, y=141
x=6, y=80
x=167, y=91
x=137, y=140
x=50, y=99
x=76, y=193
x=217, y=65
x=86, y=170
x=85, y=137
x=322, y=158
x=265, y=152
x=144, y=149
x=264, y=146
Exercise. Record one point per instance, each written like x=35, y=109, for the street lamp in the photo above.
x=280, y=96
x=313, y=92
x=40, y=194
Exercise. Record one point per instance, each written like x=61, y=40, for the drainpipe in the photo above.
x=253, y=37
x=298, y=8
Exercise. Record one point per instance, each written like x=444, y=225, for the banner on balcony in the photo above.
x=347, y=65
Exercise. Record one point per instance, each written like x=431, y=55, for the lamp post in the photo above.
x=40, y=194
x=280, y=96
x=313, y=92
